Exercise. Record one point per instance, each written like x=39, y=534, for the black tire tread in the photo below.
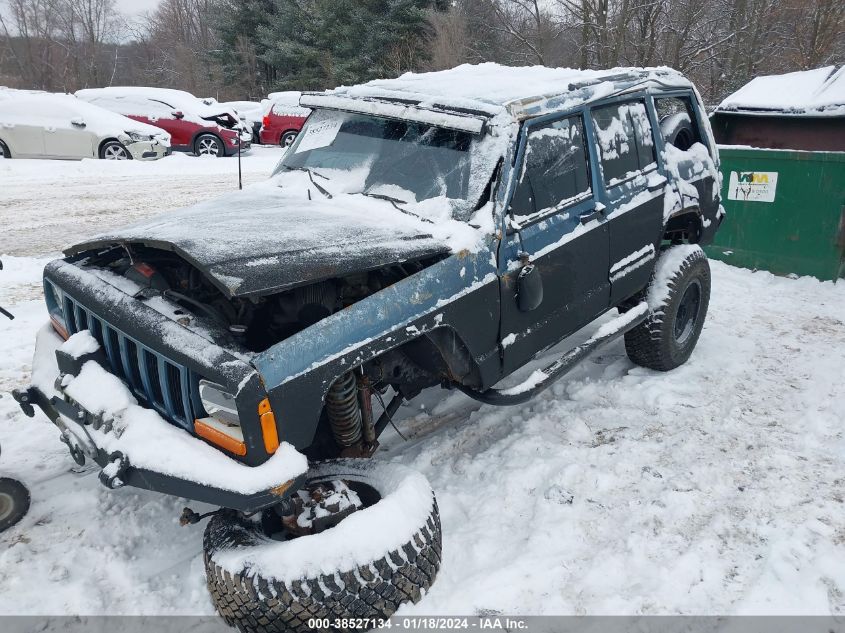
x=255, y=604
x=20, y=498
x=649, y=344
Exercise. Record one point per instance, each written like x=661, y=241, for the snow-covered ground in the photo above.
x=716, y=488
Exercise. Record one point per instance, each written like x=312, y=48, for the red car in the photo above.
x=206, y=129
x=283, y=119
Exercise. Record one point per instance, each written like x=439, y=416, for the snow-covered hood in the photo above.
x=266, y=239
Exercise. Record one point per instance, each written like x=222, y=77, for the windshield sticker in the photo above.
x=753, y=186
x=319, y=134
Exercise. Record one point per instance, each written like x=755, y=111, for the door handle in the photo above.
x=589, y=216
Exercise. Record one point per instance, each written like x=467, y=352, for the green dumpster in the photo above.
x=785, y=211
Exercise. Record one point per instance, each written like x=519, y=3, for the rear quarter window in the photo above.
x=625, y=140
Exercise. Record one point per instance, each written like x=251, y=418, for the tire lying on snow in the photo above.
x=375, y=559
x=678, y=297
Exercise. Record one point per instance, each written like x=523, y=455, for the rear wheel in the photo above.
x=678, y=298
x=114, y=150
x=4, y=151
x=362, y=539
x=14, y=502
x=208, y=145
x=287, y=139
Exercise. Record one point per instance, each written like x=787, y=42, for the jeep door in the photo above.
x=555, y=222
x=633, y=190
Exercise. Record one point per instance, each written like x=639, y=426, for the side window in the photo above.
x=678, y=125
x=555, y=169
x=626, y=144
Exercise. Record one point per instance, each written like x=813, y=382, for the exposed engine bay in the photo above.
x=255, y=323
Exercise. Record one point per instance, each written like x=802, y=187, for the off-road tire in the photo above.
x=203, y=146
x=254, y=604
x=14, y=502
x=287, y=139
x=654, y=343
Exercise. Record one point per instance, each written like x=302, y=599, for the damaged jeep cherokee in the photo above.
x=439, y=229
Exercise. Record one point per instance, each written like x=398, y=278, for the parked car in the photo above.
x=44, y=125
x=251, y=113
x=283, y=118
x=204, y=129
x=435, y=230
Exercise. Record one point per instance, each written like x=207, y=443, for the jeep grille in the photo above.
x=170, y=388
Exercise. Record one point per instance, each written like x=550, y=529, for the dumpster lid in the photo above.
x=818, y=92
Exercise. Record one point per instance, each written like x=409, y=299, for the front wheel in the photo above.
x=208, y=145
x=363, y=537
x=114, y=150
x=678, y=297
x=14, y=502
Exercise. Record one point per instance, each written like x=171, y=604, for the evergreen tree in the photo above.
x=317, y=44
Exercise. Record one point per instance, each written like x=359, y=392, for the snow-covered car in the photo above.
x=251, y=113
x=435, y=230
x=283, y=118
x=44, y=125
x=205, y=129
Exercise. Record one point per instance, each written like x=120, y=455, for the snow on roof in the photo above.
x=177, y=99
x=490, y=88
x=818, y=92
x=23, y=107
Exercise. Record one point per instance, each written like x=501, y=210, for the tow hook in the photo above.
x=111, y=476
x=24, y=400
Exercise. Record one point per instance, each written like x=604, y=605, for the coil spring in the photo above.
x=343, y=410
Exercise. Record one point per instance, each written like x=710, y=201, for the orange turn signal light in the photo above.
x=219, y=438
x=61, y=331
x=268, y=426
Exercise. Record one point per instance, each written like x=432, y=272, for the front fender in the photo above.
x=460, y=292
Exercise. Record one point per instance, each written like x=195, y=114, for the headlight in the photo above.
x=135, y=136
x=55, y=300
x=218, y=403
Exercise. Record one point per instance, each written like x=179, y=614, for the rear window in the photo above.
x=625, y=140
x=555, y=170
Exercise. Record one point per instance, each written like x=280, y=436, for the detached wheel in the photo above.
x=208, y=145
x=364, y=539
x=114, y=150
x=678, y=297
x=14, y=502
x=287, y=139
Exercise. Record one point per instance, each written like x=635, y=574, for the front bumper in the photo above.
x=147, y=150
x=88, y=436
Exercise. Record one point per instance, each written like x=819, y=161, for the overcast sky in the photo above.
x=132, y=7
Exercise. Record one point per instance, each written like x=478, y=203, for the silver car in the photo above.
x=44, y=125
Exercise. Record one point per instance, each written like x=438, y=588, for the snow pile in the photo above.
x=148, y=441
x=818, y=92
x=361, y=538
x=80, y=344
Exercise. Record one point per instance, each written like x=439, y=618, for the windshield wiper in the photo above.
x=310, y=173
x=395, y=202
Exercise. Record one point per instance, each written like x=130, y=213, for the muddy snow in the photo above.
x=716, y=488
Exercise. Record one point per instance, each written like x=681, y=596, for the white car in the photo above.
x=44, y=125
